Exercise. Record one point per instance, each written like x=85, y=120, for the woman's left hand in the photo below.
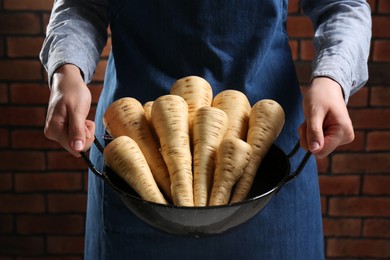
x=327, y=123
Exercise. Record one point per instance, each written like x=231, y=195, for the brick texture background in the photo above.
x=43, y=189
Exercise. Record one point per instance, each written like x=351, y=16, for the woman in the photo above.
x=239, y=45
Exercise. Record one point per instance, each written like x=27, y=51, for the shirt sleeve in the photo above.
x=76, y=34
x=342, y=41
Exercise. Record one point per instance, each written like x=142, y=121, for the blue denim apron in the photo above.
x=234, y=44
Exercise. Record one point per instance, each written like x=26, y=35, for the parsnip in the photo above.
x=126, y=116
x=196, y=91
x=265, y=123
x=233, y=156
x=237, y=107
x=209, y=127
x=148, y=110
x=126, y=159
x=170, y=120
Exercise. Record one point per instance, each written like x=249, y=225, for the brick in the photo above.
x=4, y=138
x=294, y=6
x=2, y=46
x=381, y=50
x=342, y=227
x=48, y=182
x=24, y=46
x=380, y=96
x=380, y=26
x=378, y=141
x=69, y=203
x=299, y=26
x=378, y=228
x=379, y=73
x=370, y=118
x=85, y=176
x=62, y=257
x=383, y=6
x=6, y=181
x=44, y=5
x=29, y=93
x=372, y=4
x=100, y=71
x=359, y=99
x=32, y=139
x=357, y=145
x=324, y=205
x=22, y=203
x=22, y=116
x=3, y=93
x=14, y=245
x=323, y=165
x=107, y=49
x=294, y=49
x=303, y=70
x=19, y=23
x=307, y=51
x=6, y=224
x=339, y=185
x=45, y=21
x=358, y=248
x=92, y=113
x=50, y=224
x=65, y=161
x=361, y=163
x=96, y=90
x=21, y=160
x=360, y=207
x=65, y=244
x=376, y=185
x=20, y=70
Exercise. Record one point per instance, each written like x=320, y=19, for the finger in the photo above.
x=89, y=134
x=77, y=132
x=335, y=136
x=314, y=132
x=58, y=132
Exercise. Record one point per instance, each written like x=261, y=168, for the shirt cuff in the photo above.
x=336, y=67
x=68, y=55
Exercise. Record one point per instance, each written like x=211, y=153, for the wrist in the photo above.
x=328, y=84
x=67, y=73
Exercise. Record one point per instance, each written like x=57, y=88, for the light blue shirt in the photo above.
x=342, y=38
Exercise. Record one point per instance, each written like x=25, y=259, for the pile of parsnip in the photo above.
x=189, y=148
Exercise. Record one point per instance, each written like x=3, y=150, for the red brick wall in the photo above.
x=43, y=189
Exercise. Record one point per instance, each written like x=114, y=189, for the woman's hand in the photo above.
x=327, y=123
x=69, y=105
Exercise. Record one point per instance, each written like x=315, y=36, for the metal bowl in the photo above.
x=273, y=173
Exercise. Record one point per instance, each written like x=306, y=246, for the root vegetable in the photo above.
x=196, y=91
x=170, y=121
x=237, y=107
x=148, y=110
x=233, y=156
x=148, y=114
x=126, y=159
x=126, y=116
x=209, y=127
x=265, y=123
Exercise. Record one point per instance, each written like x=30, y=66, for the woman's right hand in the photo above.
x=68, y=108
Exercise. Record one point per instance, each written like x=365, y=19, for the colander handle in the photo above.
x=90, y=164
x=301, y=165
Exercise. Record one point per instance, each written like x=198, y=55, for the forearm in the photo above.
x=342, y=41
x=76, y=34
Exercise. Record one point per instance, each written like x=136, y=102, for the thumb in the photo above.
x=314, y=132
x=76, y=132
